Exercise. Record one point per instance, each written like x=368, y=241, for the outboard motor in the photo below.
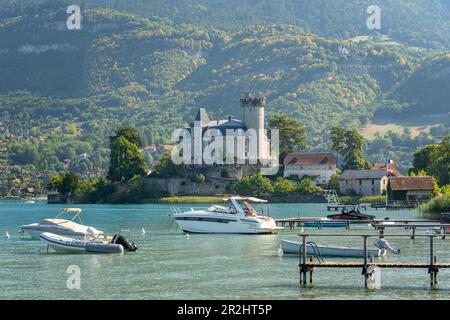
x=383, y=244
x=127, y=245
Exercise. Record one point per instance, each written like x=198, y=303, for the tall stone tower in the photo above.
x=253, y=117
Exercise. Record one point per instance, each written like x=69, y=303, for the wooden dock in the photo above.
x=368, y=267
x=293, y=223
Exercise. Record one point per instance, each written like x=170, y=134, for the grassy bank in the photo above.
x=436, y=206
x=361, y=199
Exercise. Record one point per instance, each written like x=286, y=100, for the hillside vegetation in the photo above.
x=63, y=91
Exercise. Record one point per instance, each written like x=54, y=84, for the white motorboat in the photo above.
x=238, y=217
x=62, y=227
x=66, y=244
x=294, y=247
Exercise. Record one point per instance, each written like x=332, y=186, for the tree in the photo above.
x=422, y=157
x=353, y=151
x=129, y=133
x=307, y=186
x=166, y=167
x=254, y=185
x=283, y=187
x=126, y=160
x=291, y=133
x=70, y=184
x=55, y=183
x=439, y=166
x=337, y=136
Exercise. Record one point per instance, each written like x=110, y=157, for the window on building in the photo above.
x=360, y=182
x=373, y=182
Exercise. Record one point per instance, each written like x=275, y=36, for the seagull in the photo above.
x=187, y=236
x=143, y=230
x=7, y=236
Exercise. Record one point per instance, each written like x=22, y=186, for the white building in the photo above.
x=318, y=165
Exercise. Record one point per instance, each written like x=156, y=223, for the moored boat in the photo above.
x=66, y=244
x=62, y=227
x=295, y=247
x=325, y=223
x=239, y=217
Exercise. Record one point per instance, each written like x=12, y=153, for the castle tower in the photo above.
x=253, y=117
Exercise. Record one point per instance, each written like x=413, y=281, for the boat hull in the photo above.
x=293, y=247
x=221, y=225
x=327, y=224
x=70, y=245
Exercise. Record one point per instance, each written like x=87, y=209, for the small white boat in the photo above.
x=294, y=247
x=65, y=244
x=239, y=217
x=63, y=227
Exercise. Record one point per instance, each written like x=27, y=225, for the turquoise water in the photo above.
x=168, y=265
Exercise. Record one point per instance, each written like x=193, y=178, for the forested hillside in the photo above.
x=63, y=91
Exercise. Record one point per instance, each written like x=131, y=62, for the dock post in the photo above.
x=433, y=270
x=444, y=232
x=413, y=236
x=303, y=262
x=365, y=262
x=311, y=273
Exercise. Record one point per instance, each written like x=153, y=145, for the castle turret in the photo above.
x=253, y=117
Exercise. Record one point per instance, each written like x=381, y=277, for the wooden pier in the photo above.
x=293, y=223
x=308, y=266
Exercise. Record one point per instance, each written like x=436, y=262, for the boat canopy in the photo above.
x=73, y=210
x=250, y=199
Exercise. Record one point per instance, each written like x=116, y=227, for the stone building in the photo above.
x=363, y=182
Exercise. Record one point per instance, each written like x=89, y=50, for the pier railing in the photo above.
x=368, y=265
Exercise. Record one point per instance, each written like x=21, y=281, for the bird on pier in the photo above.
x=7, y=236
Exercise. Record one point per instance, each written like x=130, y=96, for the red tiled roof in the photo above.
x=310, y=159
x=411, y=183
x=382, y=166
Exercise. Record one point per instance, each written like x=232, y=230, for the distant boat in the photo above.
x=29, y=202
x=294, y=247
x=353, y=214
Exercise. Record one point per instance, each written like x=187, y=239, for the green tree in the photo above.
x=55, y=183
x=129, y=133
x=166, y=167
x=283, y=187
x=291, y=133
x=254, y=185
x=354, y=152
x=306, y=186
x=440, y=162
x=422, y=157
x=126, y=160
x=70, y=184
x=337, y=136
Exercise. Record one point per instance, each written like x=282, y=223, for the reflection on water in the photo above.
x=168, y=265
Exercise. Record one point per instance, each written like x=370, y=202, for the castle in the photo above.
x=244, y=142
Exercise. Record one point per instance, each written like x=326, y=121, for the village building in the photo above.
x=363, y=182
x=318, y=165
x=410, y=188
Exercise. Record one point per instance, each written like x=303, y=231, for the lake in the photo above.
x=168, y=265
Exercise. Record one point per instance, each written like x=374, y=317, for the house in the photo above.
x=363, y=182
x=318, y=165
x=410, y=188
